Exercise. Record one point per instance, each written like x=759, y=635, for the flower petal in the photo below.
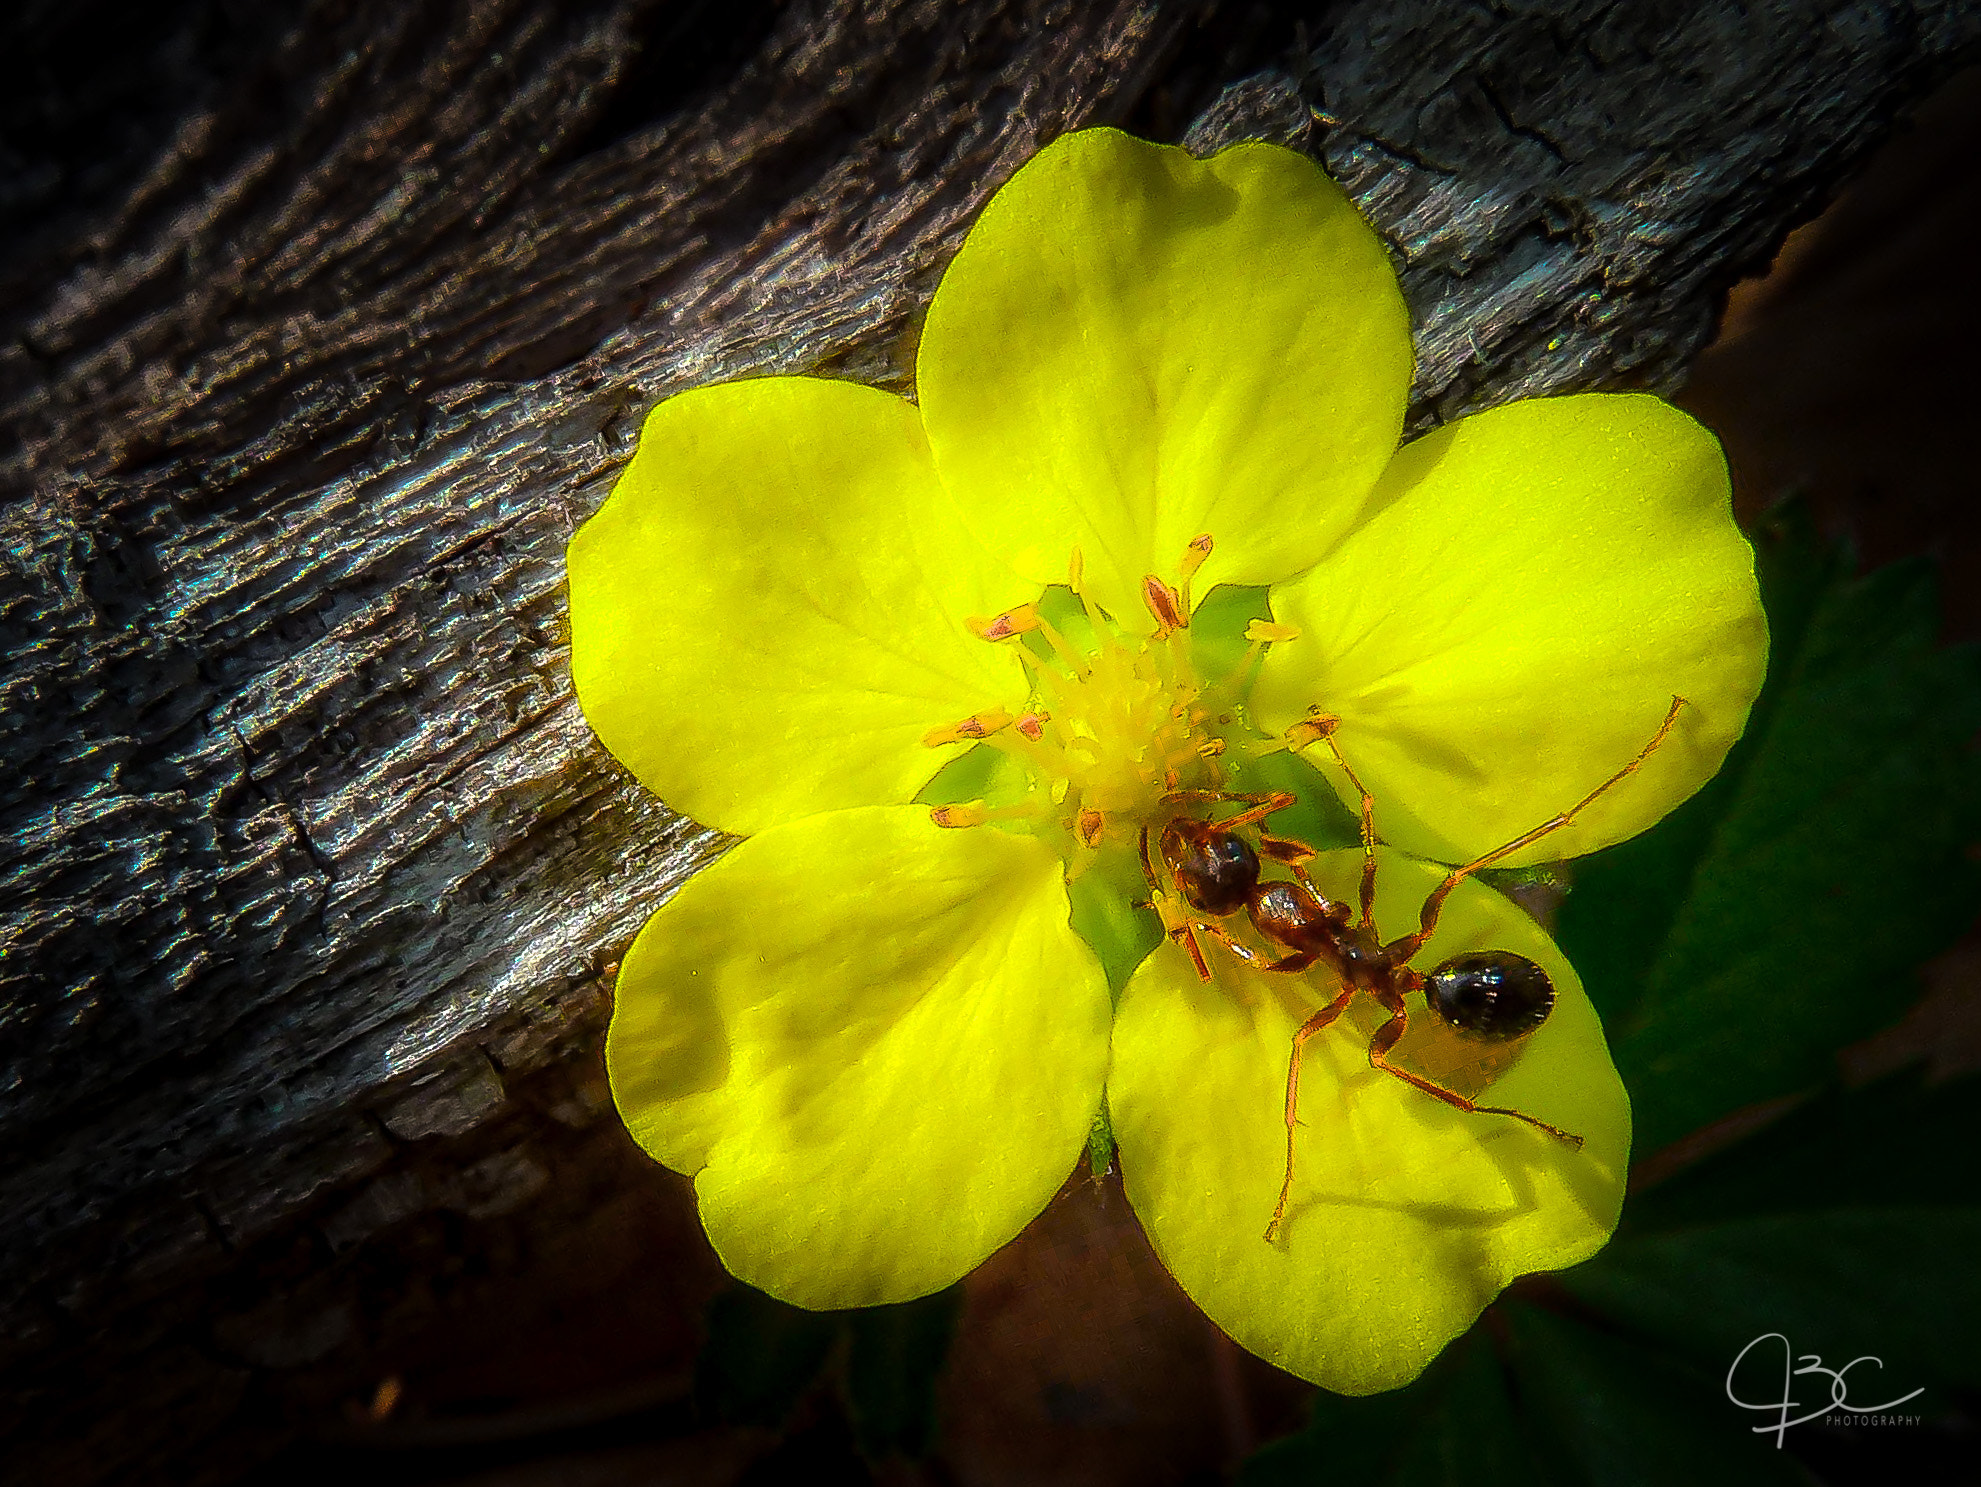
x=767, y=613
x=1407, y=1216
x=1511, y=626
x=1134, y=347
x=876, y=1044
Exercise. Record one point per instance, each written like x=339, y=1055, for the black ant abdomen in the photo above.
x=1493, y=995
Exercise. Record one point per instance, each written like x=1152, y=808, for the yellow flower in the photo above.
x=877, y=1044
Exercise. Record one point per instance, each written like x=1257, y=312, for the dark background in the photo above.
x=542, y=1323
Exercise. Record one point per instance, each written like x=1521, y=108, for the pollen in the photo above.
x=977, y=725
x=1020, y=621
x=1117, y=716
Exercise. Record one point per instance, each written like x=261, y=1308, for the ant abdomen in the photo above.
x=1492, y=994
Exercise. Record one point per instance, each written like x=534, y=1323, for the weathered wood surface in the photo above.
x=308, y=857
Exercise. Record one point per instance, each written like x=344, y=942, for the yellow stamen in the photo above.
x=977, y=725
x=1064, y=649
x=1113, y=720
x=1165, y=604
x=956, y=817
x=1195, y=553
x=1311, y=730
x=1268, y=631
x=1019, y=621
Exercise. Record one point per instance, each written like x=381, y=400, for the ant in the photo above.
x=1492, y=995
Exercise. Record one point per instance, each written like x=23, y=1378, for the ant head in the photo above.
x=1491, y=994
x=1214, y=870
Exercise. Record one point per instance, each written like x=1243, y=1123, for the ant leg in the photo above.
x=1262, y=805
x=1200, y=797
x=1175, y=923
x=1390, y=1033
x=1403, y=949
x=1223, y=936
x=1291, y=965
x=1286, y=850
x=1313, y=1026
x=1183, y=932
x=1286, y=965
x=1323, y=727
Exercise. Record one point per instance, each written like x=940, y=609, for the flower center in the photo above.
x=1116, y=720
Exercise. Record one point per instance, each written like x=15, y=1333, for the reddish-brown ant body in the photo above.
x=1492, y=994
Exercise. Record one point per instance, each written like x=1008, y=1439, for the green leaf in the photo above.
x=760, y=1356
x=1776, y=917
x=1620, y=1415
x=1456, y=1425
x=1850, y=1227
x=892, y=1371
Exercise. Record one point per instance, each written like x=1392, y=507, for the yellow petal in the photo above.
x=1407, y=1216
x=876, y=1044
x=767, y=614
x=1134, y=347
x=1511, y=627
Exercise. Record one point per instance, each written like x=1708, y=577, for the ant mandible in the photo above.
x=1493, y=995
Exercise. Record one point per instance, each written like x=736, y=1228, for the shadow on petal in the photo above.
x=1407, y=1216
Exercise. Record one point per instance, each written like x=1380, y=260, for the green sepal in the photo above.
x=1100, y=1143
x=1109, y=901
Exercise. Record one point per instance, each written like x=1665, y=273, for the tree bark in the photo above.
x=326, y=325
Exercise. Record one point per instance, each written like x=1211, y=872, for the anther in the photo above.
x=1195, y=553
x=955, y=817
x=1165, y=604
x=1210, y=748
x=1032, y=724
x=1012, y=622
x=1076, y=568
x=1090, y=824
x=1311, y=730
x=977, y=725
x=1267, y=630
